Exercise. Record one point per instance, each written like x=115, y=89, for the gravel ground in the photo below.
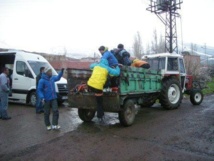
x=185, y=134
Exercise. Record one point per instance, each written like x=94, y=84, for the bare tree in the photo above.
x=193, y=48
x=161, y=45
x=154, y=46
x=148, y=49
x=137, y=46
x=157, y=46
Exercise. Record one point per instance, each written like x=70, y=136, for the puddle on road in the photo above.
x=75, y=123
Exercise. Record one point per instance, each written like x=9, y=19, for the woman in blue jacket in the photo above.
x=47, y=93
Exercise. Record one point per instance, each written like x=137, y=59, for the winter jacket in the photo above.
x=46, y=86
x=112, y=61
x=138, y=63
x=4, y=83
x=125, y=57
x=38, y=77
x=100, y=73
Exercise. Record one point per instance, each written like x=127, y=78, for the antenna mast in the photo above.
x=169, y=8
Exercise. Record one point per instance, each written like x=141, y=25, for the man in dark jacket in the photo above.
x=122, y=55
x=39, y=105
x=47, y=93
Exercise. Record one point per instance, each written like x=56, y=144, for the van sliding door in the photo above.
x=22, y=79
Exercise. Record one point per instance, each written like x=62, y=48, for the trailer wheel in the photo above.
x=86, y=115
x=32, y=98
x=196, y=97
x=171, y=94
x=127, y=115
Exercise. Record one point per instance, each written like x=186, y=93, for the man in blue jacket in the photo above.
x=112, y=61
x=47, y=93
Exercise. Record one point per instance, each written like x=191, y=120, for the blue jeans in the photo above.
x=3, y=104
x=39, y=105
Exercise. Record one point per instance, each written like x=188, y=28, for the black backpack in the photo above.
x=125, y=57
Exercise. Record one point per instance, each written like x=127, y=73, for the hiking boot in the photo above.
x=6, y=118
x=55, y=127
x=48, y=128
x=102, y=120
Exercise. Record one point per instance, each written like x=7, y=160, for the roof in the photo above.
x=70, y=64
x=24, y=55
x=162, y=55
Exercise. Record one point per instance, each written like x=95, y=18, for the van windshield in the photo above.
x=36, y=65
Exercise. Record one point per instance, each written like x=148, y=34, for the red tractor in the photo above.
x=175, y=81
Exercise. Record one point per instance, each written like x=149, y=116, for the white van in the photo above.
x=24, y=68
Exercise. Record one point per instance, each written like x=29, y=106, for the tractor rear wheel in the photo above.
x=171, y=94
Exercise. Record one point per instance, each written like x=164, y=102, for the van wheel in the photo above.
x=127, y=115
x=86, y=115
x=32, y=98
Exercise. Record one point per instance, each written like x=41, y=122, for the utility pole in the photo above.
x=205, y=52
x=205, y=48
x=169, y=7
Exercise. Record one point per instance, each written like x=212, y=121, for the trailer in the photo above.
x=166, y=81
x=135, y=85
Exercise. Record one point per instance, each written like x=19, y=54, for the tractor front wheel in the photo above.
x=196, y=97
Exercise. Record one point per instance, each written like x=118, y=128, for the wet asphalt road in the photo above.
x=157, y=134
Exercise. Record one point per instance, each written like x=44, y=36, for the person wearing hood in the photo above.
x=47, y=93
x=112, y=60
x=97, y=81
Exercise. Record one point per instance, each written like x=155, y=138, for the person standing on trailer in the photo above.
x=97, y=81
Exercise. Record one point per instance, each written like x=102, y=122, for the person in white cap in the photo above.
x=47, y=93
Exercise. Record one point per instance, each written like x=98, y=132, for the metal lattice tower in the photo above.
x=169, y=8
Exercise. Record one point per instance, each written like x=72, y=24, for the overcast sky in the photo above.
x=53, y=26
